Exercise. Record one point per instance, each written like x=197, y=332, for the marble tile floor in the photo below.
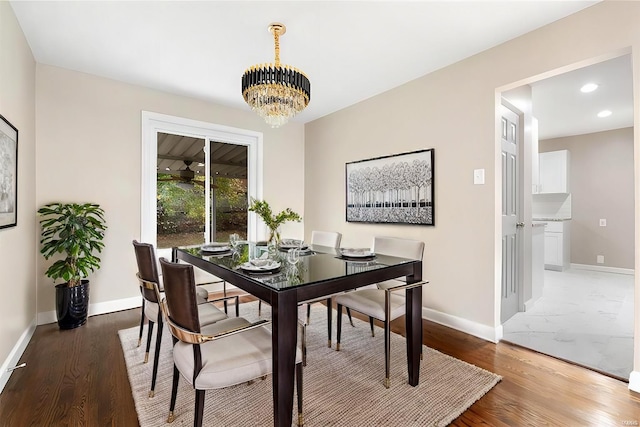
x=583, y=316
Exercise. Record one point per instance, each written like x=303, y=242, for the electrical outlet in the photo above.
x=603, y=222
x=600, y=259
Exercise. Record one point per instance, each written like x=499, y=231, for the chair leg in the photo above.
x=237, y=306
x=141, y=324
x=174, y=393
x=387, y=337
x=373, y=334
x=303, y=338
x=350, y=319
x=329, y=315
x=156, y=359
x=299, y=392
x=259, y=307
x=308, y=313
x=387, y=353
x=224, y=295
x=149, y=333
x=339, y=327
x=199, y=411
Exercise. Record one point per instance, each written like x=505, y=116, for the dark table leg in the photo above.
x=284, y=340
x=413, y=317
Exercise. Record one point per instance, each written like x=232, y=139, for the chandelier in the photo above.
x=276, y=92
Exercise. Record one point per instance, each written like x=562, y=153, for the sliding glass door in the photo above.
x=201, y=190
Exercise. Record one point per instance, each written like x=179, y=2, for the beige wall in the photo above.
x=18, y=244
x=454, y=111
x=89, y=149
x=602, y=186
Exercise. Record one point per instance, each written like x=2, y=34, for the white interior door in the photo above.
x=510, y=215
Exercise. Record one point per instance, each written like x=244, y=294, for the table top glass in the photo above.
x=317, y=264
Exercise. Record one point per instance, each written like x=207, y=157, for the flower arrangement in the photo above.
x=262, y=208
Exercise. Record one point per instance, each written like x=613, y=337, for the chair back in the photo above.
x=330, y=239
x=180, y=294
x=147, y=269
x=395, y=246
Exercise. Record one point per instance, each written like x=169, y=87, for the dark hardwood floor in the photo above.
x=78, y=378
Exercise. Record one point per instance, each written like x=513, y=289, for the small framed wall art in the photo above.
x=8, y=174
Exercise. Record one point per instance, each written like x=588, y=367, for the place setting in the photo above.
x=356, y=254
x=287, y=244
x=260, y=265
x=215, y=248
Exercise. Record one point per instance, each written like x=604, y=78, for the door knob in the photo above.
x=519, y=224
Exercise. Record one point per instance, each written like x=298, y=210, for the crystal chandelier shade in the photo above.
x=276, y=92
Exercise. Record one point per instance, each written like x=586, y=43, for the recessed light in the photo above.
x=200, y=164
x=167, y=169
x=589, y=87
x=604, y=113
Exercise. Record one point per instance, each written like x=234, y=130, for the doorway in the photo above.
x=224, y=139
x=584, y=312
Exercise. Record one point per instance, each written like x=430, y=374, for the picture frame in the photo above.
x=8, y=174
x=394, y=189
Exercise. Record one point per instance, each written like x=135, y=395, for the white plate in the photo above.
x=291, y=244
x=287, y=247
x=356, y=252
x=247, y=266
x=215, y=247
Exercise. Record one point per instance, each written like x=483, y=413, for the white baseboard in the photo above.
x=634, y=381
x=95, y=309
x=464, y=325
x=15, y=354
x=604, y=269
x=530, y=304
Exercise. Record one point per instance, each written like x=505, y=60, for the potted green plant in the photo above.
x=75, y=230
x=262, y=208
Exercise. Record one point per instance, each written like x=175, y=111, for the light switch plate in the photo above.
x=603, y=222
x=478, y=176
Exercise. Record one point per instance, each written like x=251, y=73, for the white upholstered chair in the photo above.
x=383, y=303
x=229, y=352
x=329, y=239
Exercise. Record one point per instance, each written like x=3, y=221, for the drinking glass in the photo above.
x=293, y=256
x=233, y=240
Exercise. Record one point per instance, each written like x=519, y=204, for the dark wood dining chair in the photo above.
x=149, y=279
x=229, y=352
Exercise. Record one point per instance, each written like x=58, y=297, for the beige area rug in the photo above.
x=342, y=388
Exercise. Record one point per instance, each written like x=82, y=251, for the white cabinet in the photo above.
x=554, y=172
x=557, y=253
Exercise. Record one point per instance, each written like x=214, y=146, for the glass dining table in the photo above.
x=320, y=271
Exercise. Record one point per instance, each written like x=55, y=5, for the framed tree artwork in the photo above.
x=395, y=189
x=8, y=174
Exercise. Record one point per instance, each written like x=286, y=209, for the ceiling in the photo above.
x=350, y=50
x=563, y=110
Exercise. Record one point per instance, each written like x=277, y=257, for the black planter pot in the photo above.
x=72, y=305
